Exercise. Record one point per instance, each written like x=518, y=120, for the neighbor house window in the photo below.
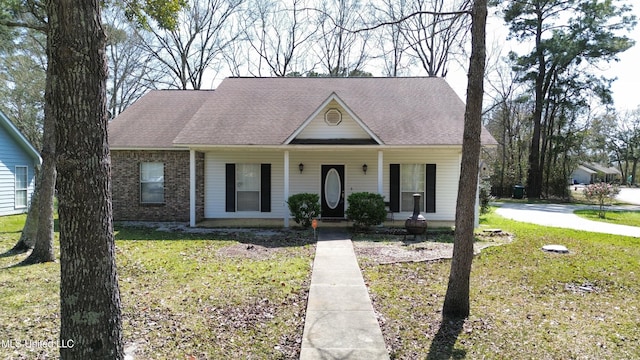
x=21, y=187
x=152, y=183
x=248, y=187
x=412, y=178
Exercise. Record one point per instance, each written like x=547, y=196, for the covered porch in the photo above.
x=279, y=223
x=332, y=172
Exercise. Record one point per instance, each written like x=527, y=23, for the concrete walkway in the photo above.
x=562, y=216
x=340, y=322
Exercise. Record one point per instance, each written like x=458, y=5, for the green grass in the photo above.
x=183, y=295
x=631, y=218
x=207, y=296
x=525, y=303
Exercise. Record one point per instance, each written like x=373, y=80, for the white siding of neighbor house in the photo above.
x=12, y=155
x=582, y=175
x=317, y=128
x=447, y=176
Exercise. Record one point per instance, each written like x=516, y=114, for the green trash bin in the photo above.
x=518, y=192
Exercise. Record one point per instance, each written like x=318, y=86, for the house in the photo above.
x=607, y=174
x=241, y=150
x=590, y=173
x=18, y=162
x=583, y=175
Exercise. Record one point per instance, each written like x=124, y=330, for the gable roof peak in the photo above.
x=325, y=106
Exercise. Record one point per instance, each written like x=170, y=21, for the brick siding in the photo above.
x=125, y=175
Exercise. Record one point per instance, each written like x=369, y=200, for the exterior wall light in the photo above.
x=301, y=167
x=364, y=169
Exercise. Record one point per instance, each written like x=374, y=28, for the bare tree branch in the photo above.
x=200, y=38
x=392, y=21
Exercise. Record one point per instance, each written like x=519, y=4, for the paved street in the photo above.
x=562, y=216
x=629, y=195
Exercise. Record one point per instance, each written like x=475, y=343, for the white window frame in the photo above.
x=417, y=185
x=242, y=169
x=24, y=192
x=158, y=180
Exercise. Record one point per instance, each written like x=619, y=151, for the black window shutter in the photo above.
x=265, y=187
x=230, y=184
x=430, y=191
x=394, y=187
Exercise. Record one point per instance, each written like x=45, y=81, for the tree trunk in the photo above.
x=534, y=174
x=43, y=248
x=456, y=302
x=30, y=230
x=90, y=315
x=505, y=120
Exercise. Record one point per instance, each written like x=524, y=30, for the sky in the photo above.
x=626, y=89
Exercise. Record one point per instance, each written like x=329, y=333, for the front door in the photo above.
x=332, y=191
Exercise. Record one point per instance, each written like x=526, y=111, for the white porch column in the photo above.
x=380, y=173
x=286, y=188
x=192, y=188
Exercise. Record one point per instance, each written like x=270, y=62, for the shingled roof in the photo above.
x=154, y=121
x=267, y=111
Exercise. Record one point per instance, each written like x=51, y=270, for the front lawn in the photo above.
x=238, y=295
x=525, y=303
x=184, y=295
x=631, y=218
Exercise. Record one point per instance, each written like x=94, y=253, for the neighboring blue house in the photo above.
x=18, y=159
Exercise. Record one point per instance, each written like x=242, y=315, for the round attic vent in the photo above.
x=333, y=117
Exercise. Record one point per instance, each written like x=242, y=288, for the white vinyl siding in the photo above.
x=319, y=129
x=447, y=175
x=21, y=187
x=215, y=190
x=355, y=179
x=151, y=183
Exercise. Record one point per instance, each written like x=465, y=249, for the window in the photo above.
x=412, y=179
x=152, y=183
x=248, y=187
x=21, y=187
x=333, y=117
x=401, y=191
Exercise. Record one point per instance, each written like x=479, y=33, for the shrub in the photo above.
x=366, y=209
x=485, y=197
x=601, y=194
x=304, y=208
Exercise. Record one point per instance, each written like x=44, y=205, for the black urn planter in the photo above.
x=416, y=224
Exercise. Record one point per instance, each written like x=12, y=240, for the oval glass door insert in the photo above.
x=332, y=189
